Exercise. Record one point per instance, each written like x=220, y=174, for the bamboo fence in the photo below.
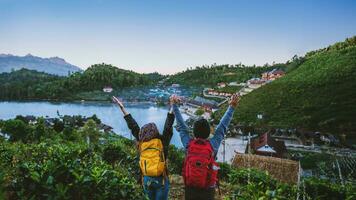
x=281, y=169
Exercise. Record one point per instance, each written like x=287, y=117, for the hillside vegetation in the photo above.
x=72, y=159
x=29, y=84
x=211, y=75
x=320, y=94
x=24, y=83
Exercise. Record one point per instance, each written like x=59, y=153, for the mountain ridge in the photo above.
x=52, y=65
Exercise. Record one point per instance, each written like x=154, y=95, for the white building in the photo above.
x=107, y=89
x=221, y=85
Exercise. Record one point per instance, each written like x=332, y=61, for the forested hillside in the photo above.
x=24, y=83
x=211, y=75
x=29, y=84
x=318, y=95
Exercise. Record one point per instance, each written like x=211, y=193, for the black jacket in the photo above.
x=167, y=131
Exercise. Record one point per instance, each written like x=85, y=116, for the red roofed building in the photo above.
x=277, y=74
x=265, y=145
x=273, y=75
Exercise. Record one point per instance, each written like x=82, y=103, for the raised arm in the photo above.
x=224, y=123
x=168, y=128
x=131, y=122
x=182, y=128
x=133, y=126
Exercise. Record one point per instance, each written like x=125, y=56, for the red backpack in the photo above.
x=200, y=169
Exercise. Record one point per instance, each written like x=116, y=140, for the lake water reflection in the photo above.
x=107, y=112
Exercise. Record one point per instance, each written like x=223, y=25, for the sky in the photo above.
x=169, y=36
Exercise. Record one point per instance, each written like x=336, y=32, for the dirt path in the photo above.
x=177, y=189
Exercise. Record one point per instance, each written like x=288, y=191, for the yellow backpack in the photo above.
x=152, y=161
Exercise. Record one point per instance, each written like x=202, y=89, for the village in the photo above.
x=210, y=101
x=266, y=150
x=244, y=146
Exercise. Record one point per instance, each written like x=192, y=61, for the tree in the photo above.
x=96, y=119
x=91, y=132
x=17, y=130
x=40, y=129
x=58, y=125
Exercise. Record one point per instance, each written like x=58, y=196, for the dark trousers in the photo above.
x=154, y=187
x=199, y=194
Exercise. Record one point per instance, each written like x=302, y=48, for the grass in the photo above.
x=229, y=89
x=319, y=95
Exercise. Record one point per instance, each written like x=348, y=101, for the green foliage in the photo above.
x=120, y=153
x=211, y=75
x=253, y=184
x=328, y=165
x=54, y=167
x=229, y=89
x=24, y=83
x=90, y=132
x=2, y=193
x=65, y=167
x=17, y=130
x=349, y=42
x=58, y=125
x=323, y=189
x=224, y=172
x=310, y=160
x=100, y=75
x=64, y=171
x=294, y=63
x=175, y=160
x=30, y=84
x=49, y=167
x=199, y=111
x=318, y=95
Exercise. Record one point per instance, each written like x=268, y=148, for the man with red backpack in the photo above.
x=200, y=168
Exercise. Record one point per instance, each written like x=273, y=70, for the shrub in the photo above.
x=199, y=111
x=324, y=189
x=224, y=172
x=254, y=184
x=65, y=171
x=16, y=129
x=175, y=159
x=121, y=155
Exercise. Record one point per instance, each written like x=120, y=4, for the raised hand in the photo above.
x=118, y=102
x=234, y=101
x=174, y=99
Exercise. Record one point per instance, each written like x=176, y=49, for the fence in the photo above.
x=281, y=169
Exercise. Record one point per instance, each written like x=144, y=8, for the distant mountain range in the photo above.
x=53, y=65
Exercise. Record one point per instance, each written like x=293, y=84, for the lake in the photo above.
x=109, y=113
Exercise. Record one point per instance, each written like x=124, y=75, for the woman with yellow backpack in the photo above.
x=153, y=149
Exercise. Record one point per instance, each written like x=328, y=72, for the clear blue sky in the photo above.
x=169, y=36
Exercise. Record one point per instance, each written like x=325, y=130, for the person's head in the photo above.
x=148, y=132
x=201, y=128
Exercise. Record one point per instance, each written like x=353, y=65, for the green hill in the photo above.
x=320, y=94
x=211, y=75
x=23, y=83
x=30, y=84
